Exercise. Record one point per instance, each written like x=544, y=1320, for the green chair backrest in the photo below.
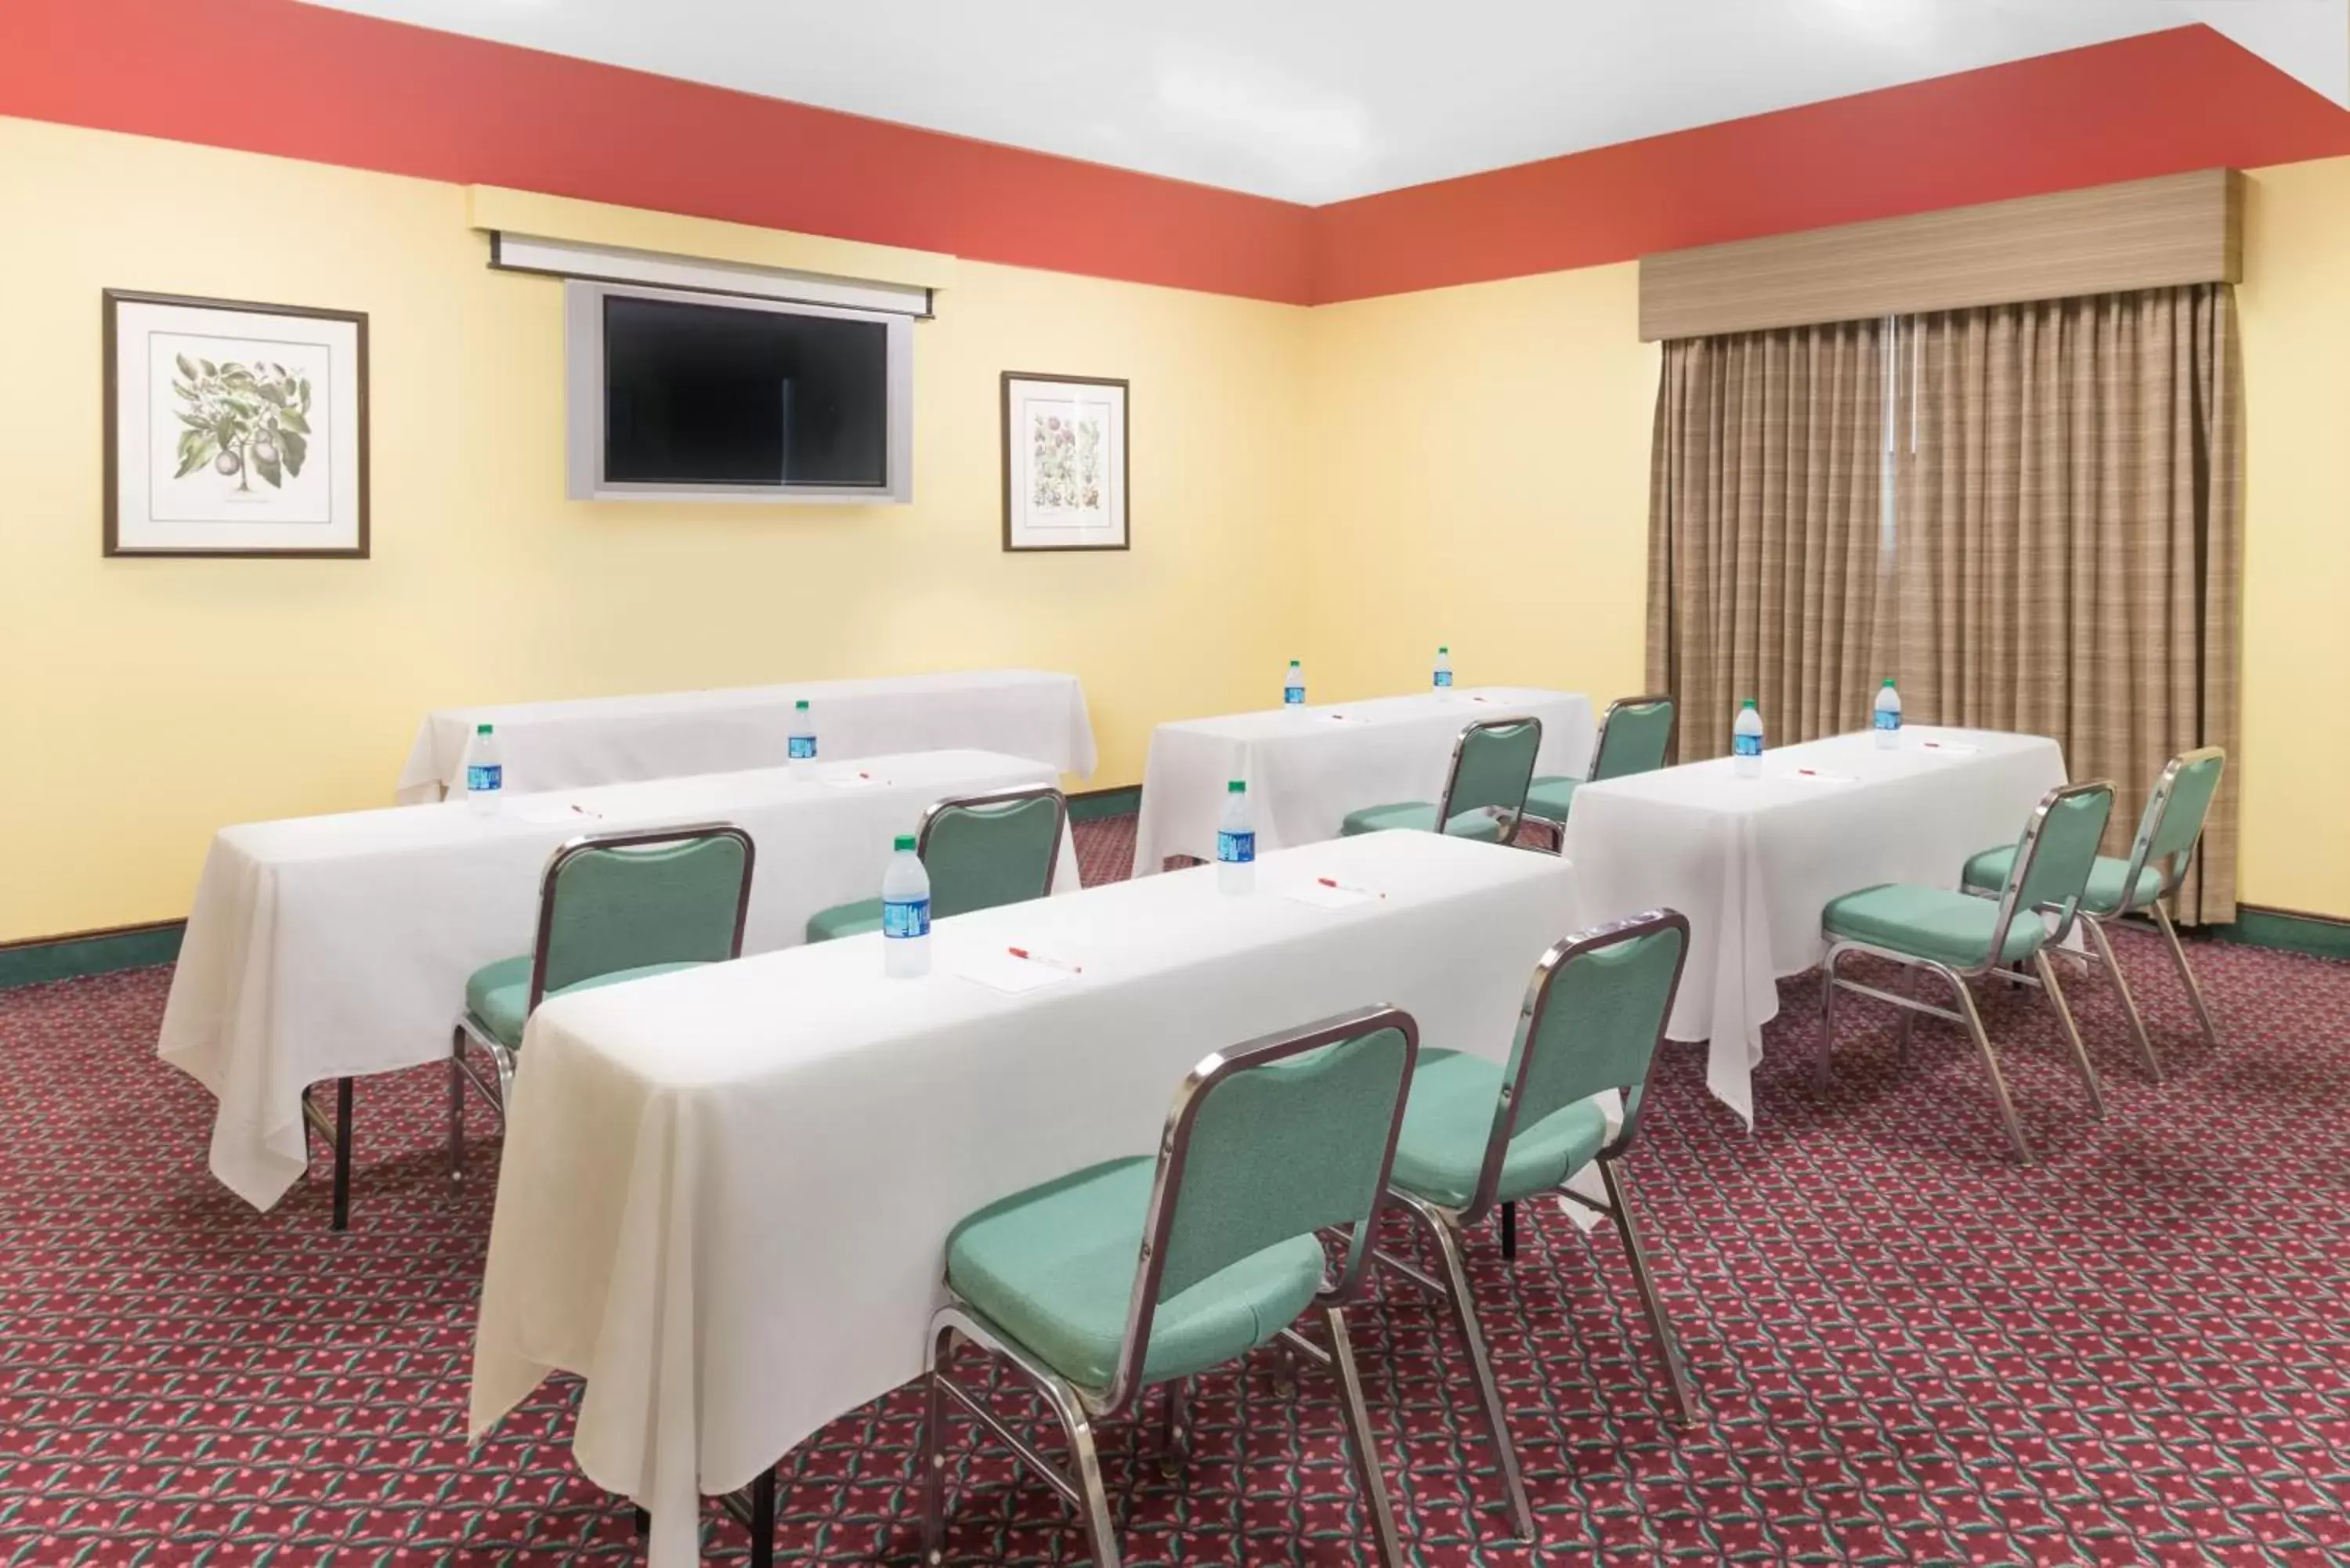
x=1284, y=1136
x=998, y=848
x=1592, y=1018
x=2057, y=852
x=627, y=901
x=1633, y=738
x=1493, y=765
x=2176, y=810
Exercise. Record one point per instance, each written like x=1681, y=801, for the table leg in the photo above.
x=342, y=1154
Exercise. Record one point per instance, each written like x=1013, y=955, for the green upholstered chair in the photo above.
x=981, y=850
x=2167, y=834
x=1484, y=791
x=1635, y=734
x=1145, y=1271
x=612, y=907
x=1479, y=1135
x=1962, y=938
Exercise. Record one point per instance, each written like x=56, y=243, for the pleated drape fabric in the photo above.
x=2061, y=552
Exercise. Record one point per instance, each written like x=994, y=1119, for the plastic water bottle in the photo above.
x=1293, y=686
x=1746, y=741
x=1237, y=843
x=802, y=750
x=485, y=779
x=1444, y=670
x=905, y=912
x=1889, y=716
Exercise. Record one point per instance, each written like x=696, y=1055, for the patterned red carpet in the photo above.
x=1909, y=1349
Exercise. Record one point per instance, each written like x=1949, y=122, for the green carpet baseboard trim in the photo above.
x=2288, y=931
x=89, y=953
x=1097, y=803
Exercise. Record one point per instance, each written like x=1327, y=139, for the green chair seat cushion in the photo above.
x=1448, y=1120
x=1936, y=923
x=1420, y=817
x=1054, y=1269
x=844, y=920
x=1989, y=871
x=1552, y=797
x=498, y=994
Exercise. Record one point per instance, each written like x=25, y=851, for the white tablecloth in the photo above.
x=1307, y=768
x=1752, y=862
x=617, y=740
x=328, y=947
x=726, y=1195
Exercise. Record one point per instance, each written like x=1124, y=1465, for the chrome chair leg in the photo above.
x=1990, y=1066
x=457, y=1104
x=2072, y=1033
x=1668, y=1350
x=1170, y=1430
x=1509, y=1232
x=2104, y=946
x=934, y=1448
x=1908, y=1015
x=2194, y=991
x=1101, y=1534
x=1827, y=1020
x=1480, y=1363
x=1368, y=1476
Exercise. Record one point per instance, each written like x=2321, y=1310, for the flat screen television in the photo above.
x=686, y=397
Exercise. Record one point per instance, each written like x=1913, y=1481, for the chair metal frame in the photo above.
x=1968, y=1017
x=1599, y=750
x=2172, y=871
x=1079, y=1408
x=503, y=1059
x=1443, y=1227
x=1012, y=796
x=1452, y=774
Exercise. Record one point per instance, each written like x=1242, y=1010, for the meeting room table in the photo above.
x=336, y=947
x=621, y=740
x=1306, y=767
x=1752, y=861
x=726, y=1195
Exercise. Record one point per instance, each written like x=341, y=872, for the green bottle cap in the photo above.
x=1443, y=648
x=1236, y=787
x=905, y=841
x=800, y=706
x=1888, y=681
x=1746, y=702
x=481, y=729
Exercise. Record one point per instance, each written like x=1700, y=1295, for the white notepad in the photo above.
x=1323, y=897
x=853, y=780
x=1001, y=971
x=549, y=813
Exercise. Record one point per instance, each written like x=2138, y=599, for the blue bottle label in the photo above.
x=1889, y=717
x=1444, y=677
x=481, y=778
x=1746, y=745
x=803, y=748
x=1294, y=695
x=1236, y=848
x=906, y=918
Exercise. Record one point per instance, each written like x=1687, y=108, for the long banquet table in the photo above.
x=617, y=740
x=1307, y=767
x=1752, y=862
x=333, y=947
x=724, y=1194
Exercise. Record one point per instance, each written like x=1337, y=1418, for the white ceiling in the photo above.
x=1315, y=100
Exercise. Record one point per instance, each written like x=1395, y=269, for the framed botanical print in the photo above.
x=1064, y=463
x=234, y=429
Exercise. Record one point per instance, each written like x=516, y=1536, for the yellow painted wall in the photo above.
x=1480, y=479
x=147, y=702
x=2295, y=307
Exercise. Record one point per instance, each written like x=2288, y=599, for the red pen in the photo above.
x=1345, y=887
x=1047, y=961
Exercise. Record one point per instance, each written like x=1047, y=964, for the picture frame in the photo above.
x=1066, y=463
x=234, y=429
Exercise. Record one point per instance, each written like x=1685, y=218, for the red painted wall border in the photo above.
x=369, y=94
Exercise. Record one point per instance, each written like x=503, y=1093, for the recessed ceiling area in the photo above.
x=1318, y=100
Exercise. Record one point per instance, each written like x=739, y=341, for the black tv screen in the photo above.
x=708, y=394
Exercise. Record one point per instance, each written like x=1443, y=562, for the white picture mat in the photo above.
x=317, y=510
x=1097, y=518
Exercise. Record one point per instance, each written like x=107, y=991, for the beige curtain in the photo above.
x=1767, y=556
x=2070, y=538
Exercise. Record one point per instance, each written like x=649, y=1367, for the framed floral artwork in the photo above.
x=234, y=429
x=1064, y=463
